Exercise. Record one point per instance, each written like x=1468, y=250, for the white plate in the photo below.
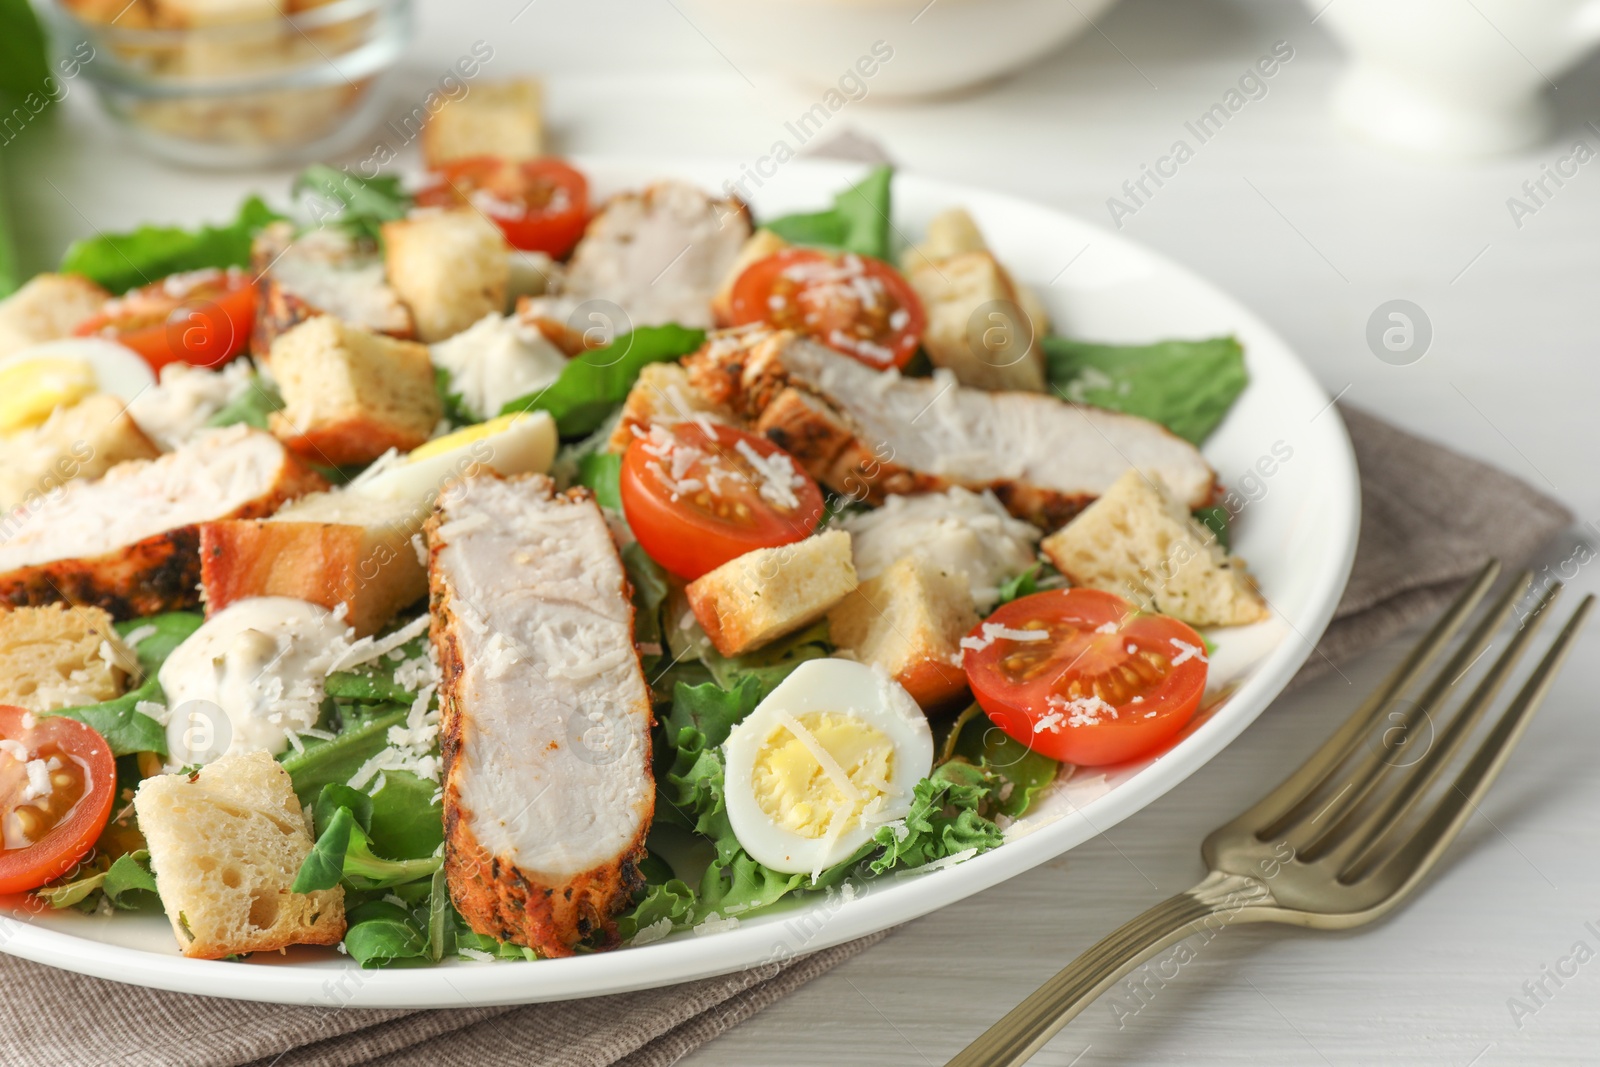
x=1298, y=532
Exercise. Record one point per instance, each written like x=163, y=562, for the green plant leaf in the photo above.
x=1186, y=386
x=358, y=205
x=593, y=384
x=324, y=864
x=857, y=222
x=382, y=933
x=978, y=740
x=601, y=473
x=253, y=407
x=123, y=261
x=1216, y=519
x=336, y=761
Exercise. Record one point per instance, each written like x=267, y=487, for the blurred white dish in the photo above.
x=1450, y=78
x=934, y=46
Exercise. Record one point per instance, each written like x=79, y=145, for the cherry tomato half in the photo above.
x=1085, y=677
x=204, y=318
x=696, y=499
x=853, y=304
x=57, y=782
x=541, y=205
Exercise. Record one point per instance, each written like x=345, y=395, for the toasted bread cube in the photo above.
x=976, y=325
x=194, y=14
x=61, y=657
x=909, y=620
x=335, y=548
x=950, y=233
x=81, y=441
x=760, y=596
x=349, y=395
x=450, y=267
x=493, y=119
x=758, y=245
x=225, y=845
x=1140, y=543
x=662, y=396
x=48, y=308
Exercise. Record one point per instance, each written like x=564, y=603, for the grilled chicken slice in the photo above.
x=659, y=254
x=130, y=542
x=544, y=713
x=321, y=272
x=867, y=433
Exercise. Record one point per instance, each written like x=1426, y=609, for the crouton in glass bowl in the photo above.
x=235, y=83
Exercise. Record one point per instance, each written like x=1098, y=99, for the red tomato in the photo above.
x=42, y=836
x=853, y=304
x=203, y=318
x=542, y=205
x=1102, y=683
x=696, y=500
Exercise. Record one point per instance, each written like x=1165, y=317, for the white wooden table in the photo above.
x=1314, y=231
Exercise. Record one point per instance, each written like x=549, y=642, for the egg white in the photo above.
x=841, y=687
x=118, y=369
x=527, y=445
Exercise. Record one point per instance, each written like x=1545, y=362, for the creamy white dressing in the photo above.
x=248, y=678
x=496, y=360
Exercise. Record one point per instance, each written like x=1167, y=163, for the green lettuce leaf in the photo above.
x=592, y=384
x=359, y=205
x=944, y=819
x=381, y=932
x=126, y=883
x=123, y=261
x=1216, y=519
x=253, y=406
x=977, y=740
x=601, y=472
x=1186, y=386
x=343, y=850
x=857, y=222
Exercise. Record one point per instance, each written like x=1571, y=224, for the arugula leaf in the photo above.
x=976, y=739
x=125, y=260
x=123, y=883
x=592, y=384
x=1216, y=519
x=253, y=406
x=381, y=932
x=358, y=205
x=944, y=819
x=857, y=222
x=1186, y=386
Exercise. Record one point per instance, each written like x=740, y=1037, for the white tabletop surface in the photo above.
x=1314, y=231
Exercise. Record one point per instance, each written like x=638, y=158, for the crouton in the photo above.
x=194, y=14
x=450, y=268
x=950, y=233
x=492, y=119
x=762, y=595
x=976, y=325
x=225, y=845
x=81, y=441
x=909, y=620
x=61, y=657
x=1140, y=543
x=758, y=245
x=349, y=395
x=662, y=395
x=335, y=548
x=48, y=308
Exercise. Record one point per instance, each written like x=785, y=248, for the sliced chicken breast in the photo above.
x=864, y=432
x=544, y=712
x=321, y=272
x=130, y=541
x=659, y=254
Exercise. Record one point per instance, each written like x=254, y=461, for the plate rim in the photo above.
x=753, y=945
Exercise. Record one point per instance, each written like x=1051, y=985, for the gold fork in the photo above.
x=1332, y=846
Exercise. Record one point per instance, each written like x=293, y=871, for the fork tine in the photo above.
x=1356, y=835
x=1413, y=859
x=1366, y=772
x=1272, y=812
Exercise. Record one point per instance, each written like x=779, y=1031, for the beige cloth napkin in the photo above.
x=1429, y=519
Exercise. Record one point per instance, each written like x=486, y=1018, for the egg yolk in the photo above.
x=31, y=389
x=821, y=772
x=452, y=441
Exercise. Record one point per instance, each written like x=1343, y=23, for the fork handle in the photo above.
x=1025, y=1029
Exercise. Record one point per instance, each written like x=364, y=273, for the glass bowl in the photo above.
x=255, y=92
